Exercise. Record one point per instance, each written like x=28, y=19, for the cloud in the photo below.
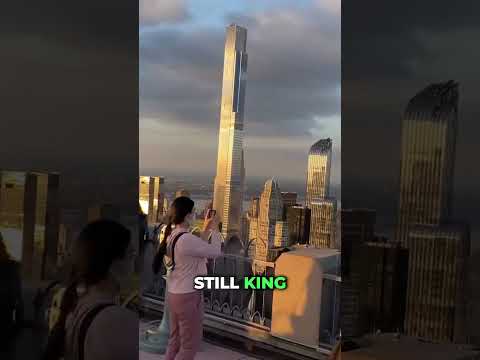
x=293, y=72
x=292, y=96
x=154, y=12
x=333, y=6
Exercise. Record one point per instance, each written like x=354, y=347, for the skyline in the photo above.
x=291, y=102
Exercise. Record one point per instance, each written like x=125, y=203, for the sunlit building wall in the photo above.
x=270, y=212
x=318, y=171
x=323, y=223
x=429, y=131
x=281, y=234
x=150, y=197
x=229, y=180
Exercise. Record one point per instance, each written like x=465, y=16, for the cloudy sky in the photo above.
x=293, y=86
x=385, y=62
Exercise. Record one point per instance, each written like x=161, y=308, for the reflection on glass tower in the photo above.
x=229, y=180
x=429, y=130
x=318, y=173
x=435, y=308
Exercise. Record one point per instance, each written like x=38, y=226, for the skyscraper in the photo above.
x=323, y=223
x=298, y=219
x=318, y=173
x=436, y=295
x=151, y=199
x=270, y=212
x=229, y=180
x=429, y=130
x=437, y=248
x=29, y=220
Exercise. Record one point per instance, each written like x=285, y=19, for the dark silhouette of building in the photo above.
x=384, y=280
x=29, y=220
x=358, y=227
x=298, y=219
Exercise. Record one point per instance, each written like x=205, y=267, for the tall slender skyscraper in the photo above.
x=229, y=181
x=318, y=173
x=429, y=130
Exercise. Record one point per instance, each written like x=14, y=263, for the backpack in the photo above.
x=161, y=253
x=85, y=325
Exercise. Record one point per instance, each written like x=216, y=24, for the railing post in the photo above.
x=154, y=339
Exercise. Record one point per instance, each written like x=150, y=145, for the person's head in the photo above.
x=182, y=210
x=4, y=255
x=100, y=245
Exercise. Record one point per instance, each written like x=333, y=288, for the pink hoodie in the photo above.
x=191, y=254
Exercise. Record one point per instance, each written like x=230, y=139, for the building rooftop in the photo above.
x=321, y=146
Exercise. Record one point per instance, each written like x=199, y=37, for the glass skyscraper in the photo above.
x=318, y=173
x=230, y=176
x=435, y=306
x=429, y=130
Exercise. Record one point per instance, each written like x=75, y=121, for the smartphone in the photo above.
x=211, y=213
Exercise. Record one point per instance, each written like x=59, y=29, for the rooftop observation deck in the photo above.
x=300, y=322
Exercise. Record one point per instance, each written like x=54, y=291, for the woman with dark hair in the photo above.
x=187, y=255
x=92, y=325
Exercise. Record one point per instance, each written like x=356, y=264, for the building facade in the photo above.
x=151, y=197
x=436, y=249
x=429, y=131
x=436, y=298
x=298, y=219
x=323, y=223
x=270, y=212
x=29, y=220
x=229, y=180
x=384, y=280
x=358, y=228
x=318, y=171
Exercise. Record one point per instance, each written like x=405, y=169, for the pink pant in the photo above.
x=186, y=329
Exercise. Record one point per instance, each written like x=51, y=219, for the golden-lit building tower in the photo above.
x=150, y=197
x=429, y=131
x=323, y=223
x=437, y=249
x=318, y=170
x=270, y=212
x=229, y=181
x=29, y=220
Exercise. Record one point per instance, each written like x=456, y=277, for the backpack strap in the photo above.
x=172, y=248
x=85, y=325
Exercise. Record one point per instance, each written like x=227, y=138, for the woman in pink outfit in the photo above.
x=188, y=256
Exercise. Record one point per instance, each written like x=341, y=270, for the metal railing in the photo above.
x=253, y=307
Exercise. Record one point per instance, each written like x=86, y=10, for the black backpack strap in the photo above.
x=172, y=247
x=85, y=325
